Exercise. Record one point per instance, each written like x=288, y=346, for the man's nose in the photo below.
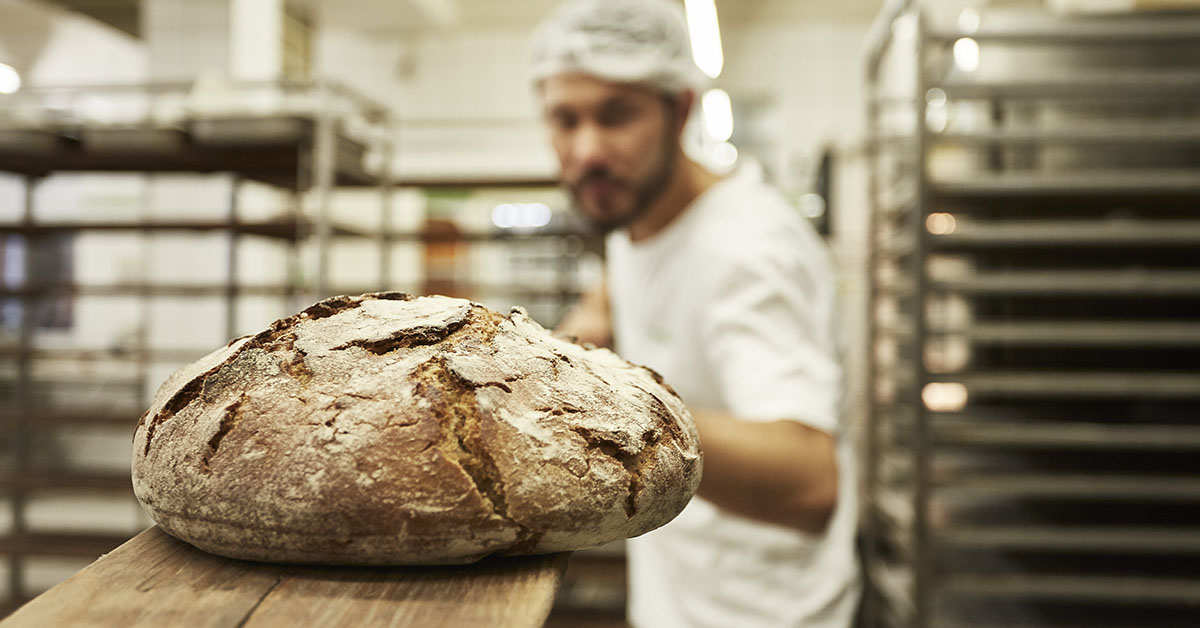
x=589, y=146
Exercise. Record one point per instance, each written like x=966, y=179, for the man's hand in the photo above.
x=781, y=472
x=589, y=321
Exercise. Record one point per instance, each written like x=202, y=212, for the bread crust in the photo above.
x=388, y=429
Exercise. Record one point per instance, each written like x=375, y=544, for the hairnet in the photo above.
x=625, y=41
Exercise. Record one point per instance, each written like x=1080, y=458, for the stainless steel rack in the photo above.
x=301, y=138
x=1035, y=307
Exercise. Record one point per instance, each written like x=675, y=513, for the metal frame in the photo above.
x=919, y=464
x=52, y=112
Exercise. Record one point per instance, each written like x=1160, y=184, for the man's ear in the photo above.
x=683, y=108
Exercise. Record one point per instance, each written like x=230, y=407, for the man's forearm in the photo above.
x=589, y=321
x=781, y=472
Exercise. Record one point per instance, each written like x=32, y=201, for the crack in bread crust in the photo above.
x=635, y=463
x=280, y=335
x=458, y=414
x=405, y=338
x=229, y=420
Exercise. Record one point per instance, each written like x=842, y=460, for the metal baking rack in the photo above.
x=1035, y=308
x=303, y=138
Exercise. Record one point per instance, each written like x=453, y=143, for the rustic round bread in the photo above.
x=388, y=429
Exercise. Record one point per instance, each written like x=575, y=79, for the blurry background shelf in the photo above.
x=1093, y=184
x=1153, y=540
x=88, y=546
x=1036, y=309
x=1078, y=233
x=1121, y=283
x=1145, y=135
x=1150, y=85
x=50, y=481
x=68, y=406
x=981, y=432
x=1082, y=587
x=1162, y=333
x=1064, y=31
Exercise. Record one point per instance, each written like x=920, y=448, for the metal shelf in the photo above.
x=1129, y=283
x=1149, y=86
x=283, y=228
x=125, y=354
x=1149, y=539
x=56, y=481
x=1084, y=184
x=1067, y=487
x=1070, y=233
x=271, y=148
x=1080, y=333
x=147, y=290
x=1136, y=29
x=1073, y=384
x=976, y=431
x=1034, y=494
x=80, y=417
x=72, y=545
x=1126, y=136
x=1082, y=587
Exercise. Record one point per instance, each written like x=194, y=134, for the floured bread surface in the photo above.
x=387, y=429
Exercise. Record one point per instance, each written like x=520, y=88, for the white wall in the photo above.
x=460, y=98
x=52, y=46
x=186, y=38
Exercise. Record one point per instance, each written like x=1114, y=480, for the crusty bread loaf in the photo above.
x=387, y=429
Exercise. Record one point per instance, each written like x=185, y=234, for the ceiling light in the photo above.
x=10, y=79
x=705, y=33
x=718, y=114
x=944, y=396
x=966, y=54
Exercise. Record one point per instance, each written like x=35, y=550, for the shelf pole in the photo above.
x=24, y=393
x=923, y=580
x=231, y=272
x=387, y=189
x=323, y=182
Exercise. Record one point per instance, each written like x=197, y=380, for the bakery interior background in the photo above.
x=1009, y=189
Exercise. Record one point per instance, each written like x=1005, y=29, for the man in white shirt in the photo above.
x=720, y=286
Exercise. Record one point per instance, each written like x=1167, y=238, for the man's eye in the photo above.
x=617, y=115
x=563, y=122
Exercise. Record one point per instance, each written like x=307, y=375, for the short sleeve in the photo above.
x=768, y=336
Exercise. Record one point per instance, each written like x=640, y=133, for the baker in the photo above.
x=722, y=287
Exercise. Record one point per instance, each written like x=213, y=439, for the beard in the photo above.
x=645, y=192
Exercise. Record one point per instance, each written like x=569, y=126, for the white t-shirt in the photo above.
x=733, y=303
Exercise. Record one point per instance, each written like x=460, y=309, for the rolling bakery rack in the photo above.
x=1035, y=320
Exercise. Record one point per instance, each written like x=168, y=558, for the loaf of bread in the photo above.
x=388, y=429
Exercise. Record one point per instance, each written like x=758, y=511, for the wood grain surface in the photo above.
x=156, y=580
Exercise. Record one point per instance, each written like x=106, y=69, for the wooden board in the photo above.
x=156, y=580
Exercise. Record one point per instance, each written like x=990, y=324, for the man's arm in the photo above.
x=781, y=472
x=589, y=321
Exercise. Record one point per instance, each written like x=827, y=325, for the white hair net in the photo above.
x=625, y=41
